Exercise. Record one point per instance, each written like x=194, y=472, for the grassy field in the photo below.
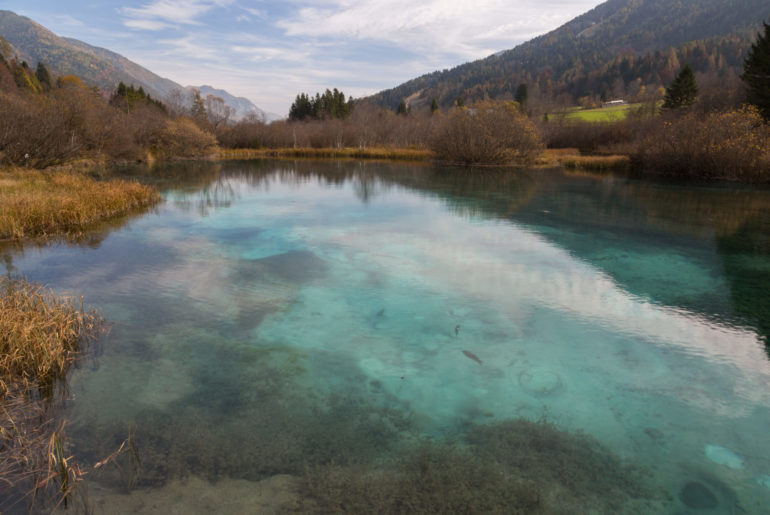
x=602, y=114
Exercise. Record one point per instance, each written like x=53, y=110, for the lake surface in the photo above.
x=277, y=320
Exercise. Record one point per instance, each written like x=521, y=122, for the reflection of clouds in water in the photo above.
x=513, y=269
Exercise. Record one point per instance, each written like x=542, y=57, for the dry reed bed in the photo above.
x=599, y=163
x=41, y=336
x=34, y=203
x=405, y=154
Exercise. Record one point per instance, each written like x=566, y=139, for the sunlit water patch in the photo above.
x=282, y=318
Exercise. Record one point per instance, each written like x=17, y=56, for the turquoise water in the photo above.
x=274, y=318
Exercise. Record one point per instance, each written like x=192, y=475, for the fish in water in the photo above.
x=381, y=313
x=457, y=330
x=472, y=356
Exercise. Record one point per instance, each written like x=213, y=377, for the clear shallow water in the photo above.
x=273, y=316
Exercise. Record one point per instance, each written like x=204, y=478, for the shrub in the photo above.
x=487, y=133
x=734, y=145
x=183, y=138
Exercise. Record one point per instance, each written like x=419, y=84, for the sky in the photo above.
x=269, y=51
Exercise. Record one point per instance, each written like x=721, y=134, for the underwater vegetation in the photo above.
x=351, y=454
x=514, y=466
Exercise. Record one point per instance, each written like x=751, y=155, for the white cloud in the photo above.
x=165, y=13
x=433, y=26
x=146, y=24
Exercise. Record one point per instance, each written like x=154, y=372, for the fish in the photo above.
x=381, y=312
x=472, y=356
x=457, y=330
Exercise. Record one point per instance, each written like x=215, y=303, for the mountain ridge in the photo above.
x=96, y=66
x=579, y=57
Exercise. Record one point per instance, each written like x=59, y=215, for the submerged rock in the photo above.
x=297, y=266
x=698, y=496
x=724, y=456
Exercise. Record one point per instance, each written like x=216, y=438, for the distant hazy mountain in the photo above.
x=607, y=48
x=242, y=106
x=98, y=66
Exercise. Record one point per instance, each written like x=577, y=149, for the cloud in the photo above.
x=432, y=26
x=166, y=13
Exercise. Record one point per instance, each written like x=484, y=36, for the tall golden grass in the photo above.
x=34, y=203
x=404, y=154
x=41, y=336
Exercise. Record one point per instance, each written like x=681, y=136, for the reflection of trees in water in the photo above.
x=219, y=193
x=746, y=256
x=587, y=211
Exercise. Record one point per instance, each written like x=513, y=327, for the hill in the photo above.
x=96, y=66
x=614, y=50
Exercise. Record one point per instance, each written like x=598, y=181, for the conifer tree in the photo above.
x=401, y=108
x=433, y=106
x=43, y=76
x=683, y=90
x=521, y=94
x=756, y=73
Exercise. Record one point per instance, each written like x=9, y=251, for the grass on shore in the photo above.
x=571, y=158
x=404, y=154
x=35, y=203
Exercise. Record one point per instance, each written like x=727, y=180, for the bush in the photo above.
x=183, y=138
x=487, y=133
x=734, y=145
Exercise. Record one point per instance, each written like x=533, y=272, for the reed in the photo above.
x=598, y=163
x=40, y=204
x=403, y=154
x=41, y=336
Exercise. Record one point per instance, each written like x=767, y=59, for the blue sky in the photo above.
x=268, y=51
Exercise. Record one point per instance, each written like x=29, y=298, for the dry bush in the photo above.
x=183, y=138
x=43, y=204
x=34, y=125
x=368, y=126
x=733, y=145
x=592, y=137
x=487, y=133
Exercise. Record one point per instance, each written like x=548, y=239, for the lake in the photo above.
x=356, y=332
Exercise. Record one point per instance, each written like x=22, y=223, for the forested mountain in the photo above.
x=96, y=66
x=620, y=48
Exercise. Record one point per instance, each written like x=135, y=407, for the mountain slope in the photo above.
x=96, y=66
x=242, y=106
x=581, y=57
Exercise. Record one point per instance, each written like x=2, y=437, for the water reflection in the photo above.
x=616, y=224
x=283, y=317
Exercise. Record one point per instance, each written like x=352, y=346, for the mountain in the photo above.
x=100, y=67
x=243, y=107
x=618, y=45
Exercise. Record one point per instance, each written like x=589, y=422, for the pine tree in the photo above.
x=433, y=106
x=43, y=76
x=756, y=73
x=401, y=108
x=683, y=90
x=521, y=94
